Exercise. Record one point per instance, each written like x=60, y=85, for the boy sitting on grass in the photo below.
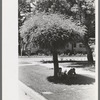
x=72, y=72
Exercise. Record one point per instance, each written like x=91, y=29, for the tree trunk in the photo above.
x=21, y=52
x=72, y=52
x=89, y=53
x=55, y=61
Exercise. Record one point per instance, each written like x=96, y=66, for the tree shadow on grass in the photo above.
x=78, y=80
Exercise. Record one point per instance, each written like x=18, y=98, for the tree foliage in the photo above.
x=24, y=5
x=83, y=10
x=52, y=6
x=51, y=31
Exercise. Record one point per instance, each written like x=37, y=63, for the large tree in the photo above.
x=51, y=32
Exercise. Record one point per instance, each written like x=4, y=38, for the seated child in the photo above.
x=60, y=72
x=72, y=72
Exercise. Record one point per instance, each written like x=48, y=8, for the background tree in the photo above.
x=24, y=11
x=85, y=10
x=51, y=32
x=87, y=17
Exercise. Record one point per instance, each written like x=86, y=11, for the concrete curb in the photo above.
x=29, y=92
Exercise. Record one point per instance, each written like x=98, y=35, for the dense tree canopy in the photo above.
x=49, y=31
x=83, y=10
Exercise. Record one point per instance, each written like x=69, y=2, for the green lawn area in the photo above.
x=40, y=79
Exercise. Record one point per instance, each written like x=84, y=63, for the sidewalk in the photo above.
x=26, y=93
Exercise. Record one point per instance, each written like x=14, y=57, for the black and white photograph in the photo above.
x=56, y=52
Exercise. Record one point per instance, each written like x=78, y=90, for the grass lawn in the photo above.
x=40, y=79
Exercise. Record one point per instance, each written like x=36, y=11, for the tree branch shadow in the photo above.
x=78, y=80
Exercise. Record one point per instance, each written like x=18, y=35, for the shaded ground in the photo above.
x=78, y=80
x=40, y=79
